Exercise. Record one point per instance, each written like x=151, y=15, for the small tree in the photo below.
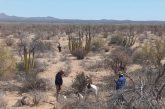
x=119, y=58
x=80, y=82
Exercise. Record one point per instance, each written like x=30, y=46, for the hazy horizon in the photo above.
x=138, y=10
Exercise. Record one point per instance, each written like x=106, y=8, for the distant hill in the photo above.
x=7, y=18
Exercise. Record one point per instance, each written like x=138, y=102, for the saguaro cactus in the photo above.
x=27, y=49
x=130, y=39
x=80, y=46
x=28, y=59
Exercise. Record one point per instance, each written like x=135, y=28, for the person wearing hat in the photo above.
x=58, y=82
x=120, y=83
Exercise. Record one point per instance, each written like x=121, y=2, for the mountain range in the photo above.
x=6, y=18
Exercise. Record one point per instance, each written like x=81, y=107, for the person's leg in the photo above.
x=57, y=91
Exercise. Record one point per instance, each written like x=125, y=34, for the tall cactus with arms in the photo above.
x=80, y=46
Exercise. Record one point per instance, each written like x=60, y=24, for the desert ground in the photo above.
x=106, y=54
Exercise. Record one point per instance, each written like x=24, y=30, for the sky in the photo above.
x=86, y=9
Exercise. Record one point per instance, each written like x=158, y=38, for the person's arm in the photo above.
x=118, y=82
x=115, y=80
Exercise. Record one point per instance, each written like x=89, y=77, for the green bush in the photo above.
x=7, y=63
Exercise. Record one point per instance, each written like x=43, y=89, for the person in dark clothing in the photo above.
x=58, y=82
x=120, y=83
x=59, y=47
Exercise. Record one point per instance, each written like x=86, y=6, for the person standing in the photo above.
x=59, y=47
x=58, y=82
x=120, y=83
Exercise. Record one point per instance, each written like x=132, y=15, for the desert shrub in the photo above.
x=105, y=34
x=154, y=51
x=79, y=53
x=80, y=82
x=29, y=47
x=27, y=51
x=9, y=41
x=7, y=63
x=142, y=37
x=38, y=66
x=80, y=45
x=97, y=44
x=119, y=58
x=77, y=48
x=151, y=54
x=44, y=46
x=116, y=39
x=38, y=97
x=138, y=56
x=33, y=82
x=145, y=93
x=126, y=41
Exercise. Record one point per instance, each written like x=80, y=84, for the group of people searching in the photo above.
x=120, y=82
